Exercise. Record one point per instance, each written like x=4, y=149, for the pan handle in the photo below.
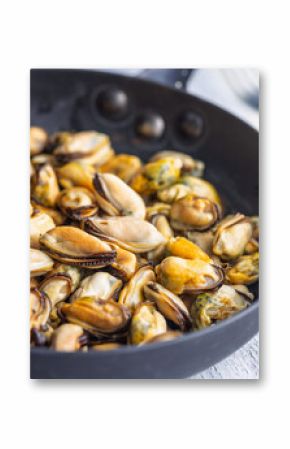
x=171, y=77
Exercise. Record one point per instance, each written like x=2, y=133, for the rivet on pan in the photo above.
x=150, y=126
x=113, y=103
x=190, y=125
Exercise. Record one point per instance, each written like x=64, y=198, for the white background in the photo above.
x=144, y=414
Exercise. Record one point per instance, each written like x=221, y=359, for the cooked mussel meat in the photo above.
x=40, y=262
x=108, y=346
x=129, y=233
x=166, y=336
x=40, y=307
x=211, y=307
x=77, y=203
x=126, y=252
x=173, y=193
x=68, y=337
x=125, y=264
x=41, y=159
x=125, y=166
x=98, y=317
x=157, y=209
x=231, y=237
x=192, y=213
x=76, y=174
x=202, y=239
x=244, y=271
x=57, y=217
x=60, y=283
x=40, y=223
x=146, y=323
x=169, y=304
x=161, y=223
x=73, y=246
x=45, y=189
x=156, y=175
x=201, y=188
x=100, y=285
x=38, y=140
x=189, y=165
x=132, y=294
x=115, y=197
x=182, y=247
x=188, y=276
x=89, y=147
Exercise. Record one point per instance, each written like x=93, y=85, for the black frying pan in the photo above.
x=141, y=118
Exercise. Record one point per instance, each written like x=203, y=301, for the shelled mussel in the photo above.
x=129, y=253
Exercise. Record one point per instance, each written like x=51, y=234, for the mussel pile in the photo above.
x=124, y=252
